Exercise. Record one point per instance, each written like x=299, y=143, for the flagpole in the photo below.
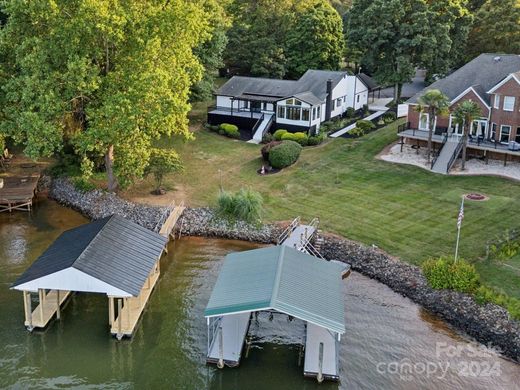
x=459, y=225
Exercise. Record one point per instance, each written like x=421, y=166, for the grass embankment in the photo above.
x=405, y=210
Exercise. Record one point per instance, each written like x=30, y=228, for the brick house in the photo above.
x=493, y=82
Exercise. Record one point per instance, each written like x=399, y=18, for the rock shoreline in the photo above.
x=489, y=324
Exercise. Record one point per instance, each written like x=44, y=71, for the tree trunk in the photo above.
x=396, y=93
x=431, y=124
x=464, y=138
x=109, y=164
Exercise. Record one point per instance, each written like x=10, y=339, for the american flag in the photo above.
x=461, y=215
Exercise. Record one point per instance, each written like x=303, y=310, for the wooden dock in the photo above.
x=175, y=212
x=129, y=310
x=17, y=193
x=50, y=304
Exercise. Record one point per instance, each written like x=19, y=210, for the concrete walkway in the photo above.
x=375, y=115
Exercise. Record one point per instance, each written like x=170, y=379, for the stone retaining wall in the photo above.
x=487, y=323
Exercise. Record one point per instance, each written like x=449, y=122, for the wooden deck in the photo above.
x=44, y=312
x=170, y=222
x=18, y=193
x=128, y=316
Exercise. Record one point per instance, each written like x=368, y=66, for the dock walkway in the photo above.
x=228, y=341
x=17, y=193
x=321, y=354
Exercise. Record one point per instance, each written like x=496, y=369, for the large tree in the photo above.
x=211, y=52
x=465, y=113
x=110, y=76
x=496, y=29
x=393, y=34
x=257, y=38
x=435, y=103
x=315, y=40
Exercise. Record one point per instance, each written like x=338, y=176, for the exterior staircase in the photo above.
x=261, y=128
x=447, y=155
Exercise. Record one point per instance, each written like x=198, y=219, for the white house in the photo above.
x=261, y=104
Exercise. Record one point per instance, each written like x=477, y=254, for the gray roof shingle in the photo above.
x=112, y=249
x=482, y=73
x=311, y=86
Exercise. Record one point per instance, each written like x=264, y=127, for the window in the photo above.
x=517, y=139
x=497, y=101
x=423, y=122
x=293, y=113
x=509, y=103
x=313, y=113
x=333, y=105
x=290, y=102
x=357, y=98
x=318, y=112
x=305, y=114
x=344, y=99
x=281, y=112
x=505, y=131
x=493, y=131
x=338, y=102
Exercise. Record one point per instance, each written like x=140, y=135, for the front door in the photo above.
x=256, y=106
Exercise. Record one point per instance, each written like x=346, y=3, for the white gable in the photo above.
x=71, y=279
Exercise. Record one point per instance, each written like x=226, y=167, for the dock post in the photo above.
x=320, y=364
x=220, y=363
x=41, y=296
x=27, y=303
x=58, y=311
x=119, y=320
x=110, y=310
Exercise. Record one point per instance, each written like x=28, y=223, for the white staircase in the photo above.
x=267, y=120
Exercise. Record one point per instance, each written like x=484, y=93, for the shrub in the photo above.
x=278, y=134
x=267, y=148
x=285, y=154
x=245, y=205
x=316, y=140
x=268, y=137
x=288, y=137
x=229, y=130
x=365, y=109
x=365, y=125
x=389, y=117
x=486, y=294
x=214, y=128
x=301, y=138
x=162, y=162
x=327, y=126
x=350, y=112
x=357, y=132
x=83, y=185
x=444, y=273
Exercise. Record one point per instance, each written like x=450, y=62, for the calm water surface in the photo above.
x=390, y=342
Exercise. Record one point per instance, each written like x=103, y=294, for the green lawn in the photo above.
x=407, y=211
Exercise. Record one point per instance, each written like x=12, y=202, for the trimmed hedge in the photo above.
x=301, y=138
x=278, y=134
x=284, y=154
x=229, y=130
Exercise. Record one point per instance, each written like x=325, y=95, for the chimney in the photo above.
x=328, y=103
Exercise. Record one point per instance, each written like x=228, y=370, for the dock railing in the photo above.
x=287, y=232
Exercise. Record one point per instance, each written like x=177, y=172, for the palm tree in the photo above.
x=436, y=104
x=465, y=113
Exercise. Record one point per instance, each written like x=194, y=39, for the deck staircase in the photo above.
x=261, y=128
x=447, y=155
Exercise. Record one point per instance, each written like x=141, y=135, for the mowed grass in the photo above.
x=407, y=211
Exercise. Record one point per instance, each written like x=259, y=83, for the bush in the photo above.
x=278, y=134
x=389, y=117
x=365, y=125
x=444, y=273
x=267, y=148
x=288, y=137
x=326, y=126
x=301, y=138
x=365, y=109
x=162, y=162
x=83, y=185
x=350, y=112
x=357, y=132
x=486, y=294
x=229, y=130
x=316, y=140
x=268, y=137
x=245, y=205
x=285, y=154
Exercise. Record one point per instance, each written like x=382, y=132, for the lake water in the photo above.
x=390, y=342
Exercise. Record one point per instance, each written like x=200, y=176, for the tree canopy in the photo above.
x=496, y=29
x=106, y=76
